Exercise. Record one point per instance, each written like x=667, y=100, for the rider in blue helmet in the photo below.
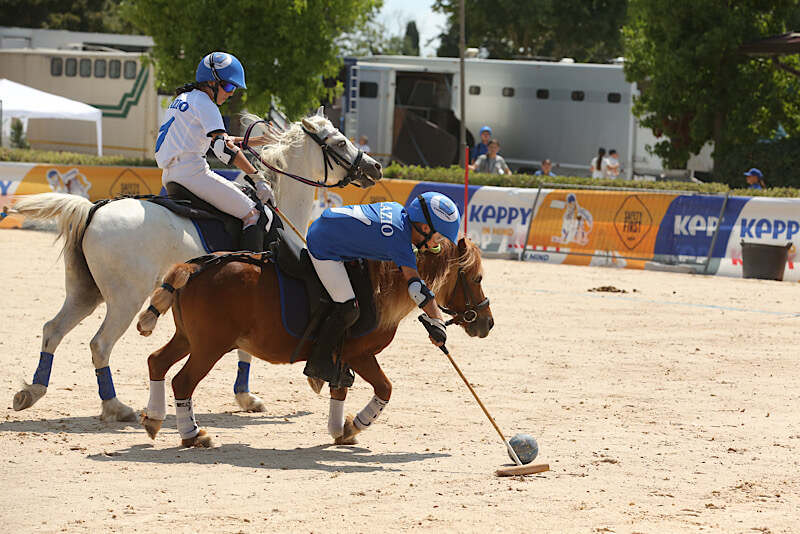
x=382, y=231
x=193, y=125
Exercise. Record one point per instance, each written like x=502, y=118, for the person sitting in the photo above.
x=384, y=231
x=546, y=169
x=491, y=162
x=755, y=179
x=481, y=147
x=193, y=124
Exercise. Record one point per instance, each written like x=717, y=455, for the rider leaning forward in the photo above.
x=193, y=124
x=383, y=231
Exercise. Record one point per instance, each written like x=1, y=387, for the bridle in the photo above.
x=329, y=157
x=470, y=314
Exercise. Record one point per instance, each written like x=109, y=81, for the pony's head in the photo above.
x=457, y=274
x=342, y=159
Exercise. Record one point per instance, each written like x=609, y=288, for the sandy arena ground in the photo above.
x=674, y=406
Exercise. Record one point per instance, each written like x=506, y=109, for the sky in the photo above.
x=396, y=14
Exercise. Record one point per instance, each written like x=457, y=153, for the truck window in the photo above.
x=578, y=96
x=71, y=67
x=614, y=98
x=114, y=68
x=85, y=68
x=368, y=89
x=130, y=70
x=542, y=94
x=56, y=66
x=99, y=68
x=508, y=91
x=474, y=89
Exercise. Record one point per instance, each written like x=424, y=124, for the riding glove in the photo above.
x=263, y=190
x=435, y=327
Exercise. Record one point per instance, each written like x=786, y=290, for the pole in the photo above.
x=716, y=232
x=461, y=49
x=466, y=187
x=530, y=223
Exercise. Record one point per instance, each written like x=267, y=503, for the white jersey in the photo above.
x=187, y=123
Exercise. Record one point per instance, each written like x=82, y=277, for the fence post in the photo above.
x=716, y=232
x=530, y=222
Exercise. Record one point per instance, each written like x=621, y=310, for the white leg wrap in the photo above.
x=184, y=414
x=370, y=412
x=336, y=418
x=157, y=405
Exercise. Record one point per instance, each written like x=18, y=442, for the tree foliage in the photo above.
x=373, y=38
x=286, y=46
x=695, y=85
x=77, y=15
x=411, y=40
x=581, y=29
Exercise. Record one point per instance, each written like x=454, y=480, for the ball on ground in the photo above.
x=525, y=446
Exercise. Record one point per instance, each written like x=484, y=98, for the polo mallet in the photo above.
x=519, y=468
x=287, y=221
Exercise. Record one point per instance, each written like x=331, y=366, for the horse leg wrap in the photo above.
x=370, y=412
x=336, y=418
x=184, y=415
x=42, y=374
x=105, y=384
x=242, y=384
x=157, y=405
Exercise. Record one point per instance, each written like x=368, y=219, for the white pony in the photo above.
x=128, y=245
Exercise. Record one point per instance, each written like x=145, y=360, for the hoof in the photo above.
x=316, y=384
x=152, y=426
x=23, y=400
x=348, y=437
x=202, y=439
x=114, y=410
x=250, y=403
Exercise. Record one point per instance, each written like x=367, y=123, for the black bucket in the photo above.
x=766, y=262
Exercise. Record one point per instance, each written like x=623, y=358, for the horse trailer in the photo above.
x=409, y=109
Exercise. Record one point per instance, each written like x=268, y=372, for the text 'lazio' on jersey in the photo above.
x=187, y=122
x=380, y=231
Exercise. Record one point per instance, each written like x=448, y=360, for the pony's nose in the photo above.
x=377, y=166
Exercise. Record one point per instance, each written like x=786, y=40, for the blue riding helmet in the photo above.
x=571, y=198
x=485, y=129
x=442, y=214
x=221, y=67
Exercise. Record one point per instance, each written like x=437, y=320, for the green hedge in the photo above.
x=778, y=160
x=453, y=174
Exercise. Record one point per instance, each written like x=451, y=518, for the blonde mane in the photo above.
x=294, y=136
x=440, y=272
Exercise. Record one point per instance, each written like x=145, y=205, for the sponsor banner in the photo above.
x=596, y=227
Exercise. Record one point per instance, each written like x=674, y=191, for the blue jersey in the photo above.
x=380, y=231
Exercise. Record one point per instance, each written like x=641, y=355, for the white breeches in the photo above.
x=333, y=276
x=193, y=173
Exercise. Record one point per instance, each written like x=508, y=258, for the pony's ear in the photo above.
x=321, y=112
x=308, y=125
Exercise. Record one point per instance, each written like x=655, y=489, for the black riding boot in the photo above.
x=253, y=238
x=320, y=362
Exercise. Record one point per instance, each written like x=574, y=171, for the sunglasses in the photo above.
x=228, y=87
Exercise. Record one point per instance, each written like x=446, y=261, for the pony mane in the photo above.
x=275, y=154
x=440, y=272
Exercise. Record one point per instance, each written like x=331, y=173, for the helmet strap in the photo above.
x=426, y=236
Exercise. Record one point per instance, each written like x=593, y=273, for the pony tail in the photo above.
x=185, y=88
x=163, y=297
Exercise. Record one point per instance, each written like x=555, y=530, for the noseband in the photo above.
x=470, y=313
x=328, y=154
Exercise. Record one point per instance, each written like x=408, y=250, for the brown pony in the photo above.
x=237, y=305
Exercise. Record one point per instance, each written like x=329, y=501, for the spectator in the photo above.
x=363, y=144
x=491, y=162
x=546, y=169
x=482, y=147
x=613, y=164
x=755, y=179
x=599, y=165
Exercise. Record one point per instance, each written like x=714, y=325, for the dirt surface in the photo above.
x=674, y=407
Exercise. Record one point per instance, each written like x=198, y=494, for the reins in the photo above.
x=328, y=154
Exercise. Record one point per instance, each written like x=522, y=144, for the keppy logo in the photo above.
x=489, y=214
x=768, y=228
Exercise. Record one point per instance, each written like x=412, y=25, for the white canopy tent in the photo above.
x=23, y=102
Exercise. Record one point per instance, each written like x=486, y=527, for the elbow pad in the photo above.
x=419, y=292
x=223, y=152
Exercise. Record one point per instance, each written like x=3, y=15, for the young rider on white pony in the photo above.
x=382, y=231
x=192, y=125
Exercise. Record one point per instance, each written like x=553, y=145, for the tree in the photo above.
x=78, y=15
x=411, y=40
x=695, y=86
x=373, y=38
x=585, y=31
x=286, y=46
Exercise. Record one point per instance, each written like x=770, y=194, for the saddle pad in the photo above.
x=296, y=313
x=213, y=235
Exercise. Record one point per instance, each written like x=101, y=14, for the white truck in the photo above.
x=409, y=109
